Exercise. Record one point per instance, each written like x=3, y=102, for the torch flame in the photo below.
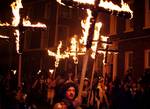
x=16, y=10
x=16, y=6
x=6, y=37
x=17, y=33
x=58, y=54
x=4, y=24
x=86, y=25
x=95, y=38
x=26, y=22
x=74, y=48
x=107, y=5
x=104, y=45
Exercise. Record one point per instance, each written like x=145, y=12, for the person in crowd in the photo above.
x=51, y=83
x=85, y=93
x=69, y=98
x=101, y=97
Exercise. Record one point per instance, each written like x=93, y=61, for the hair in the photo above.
x=67, y=86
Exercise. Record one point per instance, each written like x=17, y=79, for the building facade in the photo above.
x=130, y=37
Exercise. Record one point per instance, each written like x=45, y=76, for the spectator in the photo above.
x=69, y=94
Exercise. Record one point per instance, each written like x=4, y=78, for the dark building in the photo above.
x=130, y=37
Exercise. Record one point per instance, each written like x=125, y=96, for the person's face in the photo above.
x=70, y=93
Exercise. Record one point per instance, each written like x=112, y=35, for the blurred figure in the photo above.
x=51, y=83
x=85, y=93
x=101, y=97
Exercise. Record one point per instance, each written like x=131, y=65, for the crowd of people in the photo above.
x=61, y=92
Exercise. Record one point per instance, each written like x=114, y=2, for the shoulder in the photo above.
x=60, y=105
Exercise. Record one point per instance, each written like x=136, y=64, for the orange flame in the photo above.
x=95, y=38
x=26, y=22
x=107, y=5
x=16, y=6
x=104, y=46
x=16, y=10
x=74, y=49
x=58, y=54
x=5, y=37
x=4, y=24
x=17, y=33
x=86, y=25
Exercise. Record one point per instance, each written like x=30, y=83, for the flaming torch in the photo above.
x=58, y=55
x=19, y=25
x=74, y=49
x=95, y=6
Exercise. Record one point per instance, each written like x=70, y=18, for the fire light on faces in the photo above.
x=5, y=37
x=95, y=39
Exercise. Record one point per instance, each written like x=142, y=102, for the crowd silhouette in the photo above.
x=46, y=91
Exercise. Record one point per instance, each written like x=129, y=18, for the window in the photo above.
x=113, y=24
x=147, y=58
x=33, y=40
x=65, y=12
x=129, y=25
x=63, y=33
x=147, y=13
x=129, y=22
x=128, y=60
